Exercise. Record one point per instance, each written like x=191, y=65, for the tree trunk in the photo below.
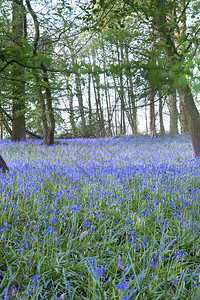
x=131, y=109
x=80, y=103
x=99, y=108
x=152, y=93
x=152, y=114
x=173, y=114
x=1, y=129
x=50, y=111
x=146, y=116
x=18, y=86
x=162, y=128
x=3, y=165
x=43, y=109
x=89, y=102
x=192, y=116
x=182, y=116
x=71, y=112
x=121, y=91
x=5, y=123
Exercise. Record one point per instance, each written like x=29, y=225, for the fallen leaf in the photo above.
x=83, y=234
x=172, y=287
x=62, y=296
x=12, y=291
x=121, y=267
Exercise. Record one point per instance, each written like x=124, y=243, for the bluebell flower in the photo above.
x=122, y=286
x=86, y=224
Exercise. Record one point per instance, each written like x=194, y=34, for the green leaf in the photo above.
x=75, y=69
x=47, y=61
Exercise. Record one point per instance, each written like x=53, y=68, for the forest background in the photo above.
x=99, y=68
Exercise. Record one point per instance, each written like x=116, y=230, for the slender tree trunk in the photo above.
x=5, y=123
x=99, y=109
x=71, y=113
x=146, y=116
x=50, y=111
x=162, y=128
x=103, y=131
x=108, y=106
x=80, y=103
x=116, y=112
x=173, y=114
x=152, y=94
x=133, y=105
x=152, y=114
x=98, y=116
x=131, y=109
x=43, y=109
x=107, y=93
x=1, y=129
x=89, y=102
x=18, y=85
x=121, y=92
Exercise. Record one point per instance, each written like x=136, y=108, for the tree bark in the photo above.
x=71, y=111
x=146, y=116
x=89, y=102
x=131, y=110
x=1, y=131
x=173, y=114
x=99, y=107
x=152, y=114
x=80, y=103
x=50, y=111
x=5, y=123
x=3, y=166
x=162, y=128
x=107, y=96
x=121, y=91
x=43, y=109
x=18, y=86
x=192, y=116
x=182, y=116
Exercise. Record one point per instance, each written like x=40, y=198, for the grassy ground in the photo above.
x=100, y=219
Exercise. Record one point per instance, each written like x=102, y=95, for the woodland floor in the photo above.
x=114, y=218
